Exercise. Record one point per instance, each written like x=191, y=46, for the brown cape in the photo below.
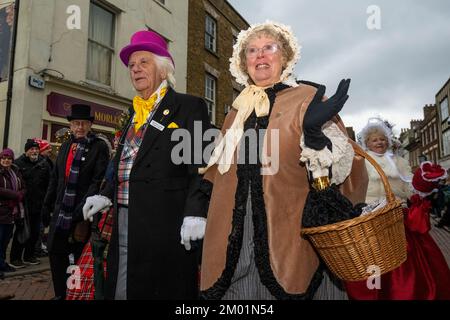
x=293, y=260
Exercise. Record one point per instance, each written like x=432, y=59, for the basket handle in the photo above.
x=390, y=197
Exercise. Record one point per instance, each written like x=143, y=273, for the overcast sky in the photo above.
x=395, y=71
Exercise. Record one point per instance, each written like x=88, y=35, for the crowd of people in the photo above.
x=23, y=187
x=224, y=227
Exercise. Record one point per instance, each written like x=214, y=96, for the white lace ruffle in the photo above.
x=287, y=77
x=341, y=159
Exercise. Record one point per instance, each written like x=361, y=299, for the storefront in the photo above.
x=60, y=95
x=58, y=105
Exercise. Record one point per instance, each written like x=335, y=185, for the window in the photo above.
x=236, y=93
x=210, y=33
x=210, y=96
x=444, y=109
x=446, y=142
x=101, y=44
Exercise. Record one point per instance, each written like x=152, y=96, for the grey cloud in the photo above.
x=395, y=71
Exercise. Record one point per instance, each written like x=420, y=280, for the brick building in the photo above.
x=443, y=121
x=413, y=143
x=429, y=133
x=213, y=28
x=404, y=139
x=66, y=52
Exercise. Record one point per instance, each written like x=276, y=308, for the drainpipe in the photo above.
x=11, y=75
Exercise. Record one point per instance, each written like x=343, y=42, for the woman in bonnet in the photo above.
x=425, y=274
x=252, y=247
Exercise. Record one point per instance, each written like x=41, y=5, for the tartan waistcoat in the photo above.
x=132, y=143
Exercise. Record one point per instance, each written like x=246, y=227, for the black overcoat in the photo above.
x=92, y=172
x=36, y=176
x=161, y=194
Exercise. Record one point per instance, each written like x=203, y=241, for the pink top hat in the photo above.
x=145, y=41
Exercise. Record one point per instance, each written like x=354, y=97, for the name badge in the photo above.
x=157, y=125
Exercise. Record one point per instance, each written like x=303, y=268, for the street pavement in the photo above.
x=29, y=283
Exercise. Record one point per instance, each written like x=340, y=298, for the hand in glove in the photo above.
x=193, y=229
x=95, y=204
x=319, y=112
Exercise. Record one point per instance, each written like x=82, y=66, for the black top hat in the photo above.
x=80, y=112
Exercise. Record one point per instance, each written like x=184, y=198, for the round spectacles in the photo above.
x=252, y=52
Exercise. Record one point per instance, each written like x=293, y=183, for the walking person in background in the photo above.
x=153, y=201
x=36, y=174
x=79, y=170
x=12, y=192
x=444, y=190
x=425, y=274
x=45, y=149
x=253, y=248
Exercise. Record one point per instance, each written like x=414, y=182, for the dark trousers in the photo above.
x=6, y=231
x=27, y=248
x=59, y=264
x=39, y=242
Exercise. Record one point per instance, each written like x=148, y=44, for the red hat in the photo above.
x=426, y=178
x=43, y=145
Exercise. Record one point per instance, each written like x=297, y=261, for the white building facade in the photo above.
x=67, y=51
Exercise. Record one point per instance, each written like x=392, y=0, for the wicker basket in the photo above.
x=350, y=247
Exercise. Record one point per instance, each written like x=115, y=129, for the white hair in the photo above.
x=374, y=125
x=165, y=64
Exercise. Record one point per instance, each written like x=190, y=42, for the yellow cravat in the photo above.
x=143, y=107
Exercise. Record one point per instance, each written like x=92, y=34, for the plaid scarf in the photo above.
x=64, y=221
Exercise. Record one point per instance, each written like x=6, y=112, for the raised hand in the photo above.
x=319, y=112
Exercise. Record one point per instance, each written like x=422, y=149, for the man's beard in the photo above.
x=34, y=158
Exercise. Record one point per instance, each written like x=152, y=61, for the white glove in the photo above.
x=193, y=228
x=95, y=204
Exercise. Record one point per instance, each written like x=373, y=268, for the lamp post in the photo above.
x=12, y=57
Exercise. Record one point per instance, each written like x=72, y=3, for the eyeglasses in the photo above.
x=252, y=52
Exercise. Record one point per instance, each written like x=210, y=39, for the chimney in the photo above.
x=428, y=111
